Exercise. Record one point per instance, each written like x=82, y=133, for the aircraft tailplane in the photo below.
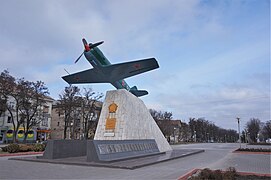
x=138, y=93
x=134, y=88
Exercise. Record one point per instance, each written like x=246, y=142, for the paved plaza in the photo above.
x=216, y=156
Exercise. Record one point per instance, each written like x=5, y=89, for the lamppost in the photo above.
x=174, y=134
x=195, y=136
x=207, y=137
x=71, y=131
x=238, y=120
x=245, y=136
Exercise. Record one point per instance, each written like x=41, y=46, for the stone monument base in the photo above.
x=109, y=151
x=122, y=164
x=100, y=150
x=56, y=149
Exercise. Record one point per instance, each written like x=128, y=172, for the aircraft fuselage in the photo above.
x=97, y=59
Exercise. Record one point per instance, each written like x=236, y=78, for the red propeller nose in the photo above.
x=87, y=48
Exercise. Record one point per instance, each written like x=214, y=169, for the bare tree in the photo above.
x=266, y=131
x=253, y=127
x=31, y=98
x=8, y=94
x=80, y=111
x=22, y=99
x=206, y=131
x=165, y=125
x=67, y=104
x=156, y=115
x=3, y=106
x=89, y=107
x=185, y=132
x=163, y=121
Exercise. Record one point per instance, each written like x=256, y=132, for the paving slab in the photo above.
x=123, y=164
x=216, y=156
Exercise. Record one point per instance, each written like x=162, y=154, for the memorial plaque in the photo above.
x=117, y=147
x=121, y=149
x=114, y=148
x=129, y=147
x=109, y=134
x=110, y=124
x=103, y=149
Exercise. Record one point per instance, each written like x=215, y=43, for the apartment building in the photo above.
x=39, y=132
x=77, y=124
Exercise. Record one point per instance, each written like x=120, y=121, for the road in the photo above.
x=216, y=156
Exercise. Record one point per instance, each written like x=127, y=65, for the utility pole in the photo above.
x=238, y=120
x=195, y=136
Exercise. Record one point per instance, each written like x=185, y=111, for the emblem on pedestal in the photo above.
x=113, y=108
x=110, y=123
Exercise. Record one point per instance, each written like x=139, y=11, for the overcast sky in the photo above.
x=214, y=56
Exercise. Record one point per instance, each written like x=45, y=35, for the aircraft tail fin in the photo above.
x=138, y=93
x=133, y=88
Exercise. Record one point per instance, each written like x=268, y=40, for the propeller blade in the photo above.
x=78, y=58
x=84, y=41
x=95, y=44
x=88, y=47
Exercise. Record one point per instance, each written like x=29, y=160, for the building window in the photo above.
x=46, y=109
x=44, y=122
x=57, y=123
x=9, y=119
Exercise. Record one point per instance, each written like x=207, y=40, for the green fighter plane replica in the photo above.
x=105, y=72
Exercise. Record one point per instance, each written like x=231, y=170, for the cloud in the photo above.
x=214, y=56
x=220, y=104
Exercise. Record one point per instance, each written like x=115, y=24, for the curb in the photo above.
x=251, y=173
x=190, y=173
x=251, y=152
x=20, y=154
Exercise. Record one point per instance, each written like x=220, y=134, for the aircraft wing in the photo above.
x=128, y=69
x=87, y=76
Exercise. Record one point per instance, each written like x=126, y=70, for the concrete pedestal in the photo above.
x=125, y=117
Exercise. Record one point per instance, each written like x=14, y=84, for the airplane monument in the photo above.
x=125, y=130
x=124, y=116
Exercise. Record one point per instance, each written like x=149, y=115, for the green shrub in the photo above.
x=254, y=150
x=38, y=147
x=25, y=148
x=4, y=149
x=13, y=148
x=217, y=174
x=230, y=173
x=207, y=174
